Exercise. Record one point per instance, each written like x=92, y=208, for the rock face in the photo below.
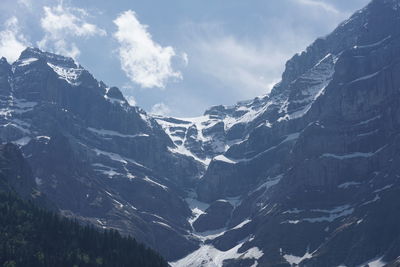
x=337, y=81
x=306, y=175
x=316, y=164
x=92, y=154
x=16, y=174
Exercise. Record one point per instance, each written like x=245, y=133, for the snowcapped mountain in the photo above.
x=207, y=137
x=306, y=175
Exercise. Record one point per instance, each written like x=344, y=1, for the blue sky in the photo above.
x=175, y=57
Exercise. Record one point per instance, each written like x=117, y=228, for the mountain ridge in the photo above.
x=300, y=176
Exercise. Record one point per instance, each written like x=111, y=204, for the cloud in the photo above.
x=144, y=61
x=61, y=23
x=247, y=68
x=319, y=4
x=249, y=64
x=160, y=109
x=12, y=41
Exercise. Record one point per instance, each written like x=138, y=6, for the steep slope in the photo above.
x=30, y=236
x=96, y=157
x=316, y=169
x=15, y=173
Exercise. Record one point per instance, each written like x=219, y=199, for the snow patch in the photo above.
x=383, y=188
x=368, y=133
x=147, y=179
x=117, y=157
x=70, y=75
x=332, y=215
x=240, y=225
x=22, y=141
x=353, y=155
x=43, y=137
x=178, y=130
x=163, y=224
x=106, y=170
x=114, y=100
x=375, y=199
x=197, y=207
x=295, y=260
x=348, y=184
x=27, y=61
x=114, y=133
x=186, y=152
x=377, y=262
x=369, y=120
x=293, y=211
x=270, y=182
x=348, y=156
x=224, y=159
x=17, y=125
x=366, y=77
x=373, y=44
x=209, y=256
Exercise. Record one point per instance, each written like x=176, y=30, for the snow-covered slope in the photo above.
x=208, y=137
x=201, y=138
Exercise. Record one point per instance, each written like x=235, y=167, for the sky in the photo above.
x=176, y=57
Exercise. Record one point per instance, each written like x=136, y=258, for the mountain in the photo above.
x=305, y=175
x=93, y=155
x=30, y=236
x=313, y=165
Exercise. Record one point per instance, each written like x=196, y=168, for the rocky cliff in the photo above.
x=305, y=175
x=93, y=155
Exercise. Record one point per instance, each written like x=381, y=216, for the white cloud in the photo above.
x=61, y=23
x=144, y=61
x=12, y=41
x=160, y=109
x=319, y=4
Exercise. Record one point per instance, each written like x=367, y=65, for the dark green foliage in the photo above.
x=30, y=236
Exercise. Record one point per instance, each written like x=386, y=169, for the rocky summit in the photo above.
x=306, y=175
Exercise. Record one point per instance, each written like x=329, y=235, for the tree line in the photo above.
x=31, y=236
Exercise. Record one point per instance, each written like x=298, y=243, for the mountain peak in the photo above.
x=4, y=64
x=3, y=60
x=62, y=61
